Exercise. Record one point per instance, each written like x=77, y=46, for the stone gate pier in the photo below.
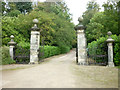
x=34, y=43
x=110, y=49
x=81, y=44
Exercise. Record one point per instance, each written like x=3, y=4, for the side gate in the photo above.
x=21, y=55
x=41, y=51
x=97, y=55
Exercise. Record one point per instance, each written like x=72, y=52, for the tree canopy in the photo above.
x=16, y=8
x=92, y=8
x=56, y=27
x=99, y=23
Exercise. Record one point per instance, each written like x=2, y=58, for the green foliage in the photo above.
x=95, y=29
x=14, y=13
x=8, y=7
x=92, y=8
x=3, y=7
x=23, y=50
x=97, y=45
x=65, y=35
x=55, y=25
x=24, y=45
x=60, y=9
x=92, y=29
x=55, y=30
x=9, y=28
x=118, y=5
x=92, y=5
x=99, y=23
x=12, y=8
x=24, y=7
x=100, y=43
x=46, y=51
x=117, y=50
x=51, y=51
x=54, y=50
x=64, y=49
x=111, y=17
x=6, y=56
x=62, y=32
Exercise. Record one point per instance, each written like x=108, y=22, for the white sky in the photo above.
x=77, y=7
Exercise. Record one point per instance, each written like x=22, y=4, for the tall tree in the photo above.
x=14, y=8
x=92, y=8
x=12, y=11
x=95, y=29
x=110, y=10
x=3, y=7
x=24, y=7
x=9, y=6
x=118, y=4
x=102, y=22
x=59, y=8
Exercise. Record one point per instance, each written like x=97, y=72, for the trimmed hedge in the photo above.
x=47, y=50
x=51, y=51
x=64, y=49
x=97, y=46
x=101, y=41
x=6, y=56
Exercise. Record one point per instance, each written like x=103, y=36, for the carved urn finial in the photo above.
x=35, y=28
x=80, y=26
x=12, y=43
x=110, y=38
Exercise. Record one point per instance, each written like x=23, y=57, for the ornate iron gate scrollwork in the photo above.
x=41, y=51
x=77, y=55
x=97, y=55
x=21, y=55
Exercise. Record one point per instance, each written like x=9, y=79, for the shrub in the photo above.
x=23, y=44
x=55, y=30
x=23, y=48
x=64, y=49
x=117, y=50
x=101, y=43
x=51, y=51
x=9, y=28
x=22, y=51
x=14, y=13
x=97, y=46
x=47, y=50
x=6, y=56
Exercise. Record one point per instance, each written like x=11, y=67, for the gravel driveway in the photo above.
x=59, y=72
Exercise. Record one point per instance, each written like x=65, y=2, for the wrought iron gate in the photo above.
x=21, y=55
x=41, y=51
x=97, y=55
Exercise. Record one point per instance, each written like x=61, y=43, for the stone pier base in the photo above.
x=81, y=40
